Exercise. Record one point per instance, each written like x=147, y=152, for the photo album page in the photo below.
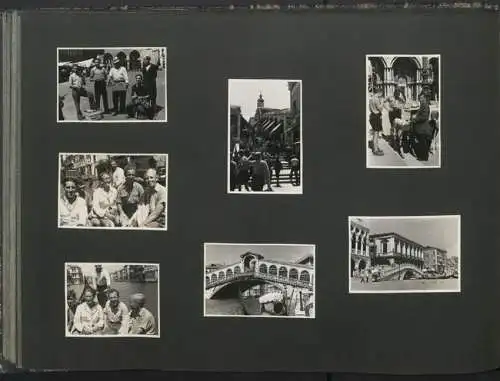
x=243, y=190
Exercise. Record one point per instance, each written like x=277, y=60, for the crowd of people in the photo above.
x=99, y=310
x=253, y=171
x=407, y=128
x=95, y=82
x=121, y=199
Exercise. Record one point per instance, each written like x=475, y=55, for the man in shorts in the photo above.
x=375, y=105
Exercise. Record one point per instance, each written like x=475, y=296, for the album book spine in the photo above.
x=11, y=192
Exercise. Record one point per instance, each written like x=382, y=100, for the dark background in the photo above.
x=405, y=333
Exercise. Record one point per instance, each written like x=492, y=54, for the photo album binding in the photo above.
x=301, y=181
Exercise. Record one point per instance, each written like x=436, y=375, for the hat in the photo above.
x=116, y=60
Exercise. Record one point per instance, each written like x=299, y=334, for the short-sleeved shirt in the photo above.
x=98, y=74
x=76, y=80
x=72, y=214
x=129, y=199
x=153, y=197
x=141, y=323
x=375, y=105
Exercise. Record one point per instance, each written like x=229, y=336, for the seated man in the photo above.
x=141, y=101
x=151, y=209
x=104, y=209
x=72, y=208
x=140, y=320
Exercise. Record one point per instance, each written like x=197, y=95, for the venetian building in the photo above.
x=394, y=249
x=411, y=73
x=360, y=247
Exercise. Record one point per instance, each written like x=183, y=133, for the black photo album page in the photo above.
x=248, y=190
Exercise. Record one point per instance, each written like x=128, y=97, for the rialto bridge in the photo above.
x=252, y=270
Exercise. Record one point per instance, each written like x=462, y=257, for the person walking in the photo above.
x=375, y=106
x=277, y=169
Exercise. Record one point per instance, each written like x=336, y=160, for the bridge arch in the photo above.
x=207, y=280
x=213, y=278
x=294, y=274
x=305, y=276
x=273, y=270
x=222, y=276
x=283, y=273
x=263, y=268
x=233, y=287
x=237, y=270
x=229, y=273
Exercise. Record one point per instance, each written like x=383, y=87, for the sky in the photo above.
x=245, y=92
x=229, y=254
x=440, y=232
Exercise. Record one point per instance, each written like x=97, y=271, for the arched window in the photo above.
x=273, y=270
x=207, y=280
x=214, y=278
x=229, y=273
x=237, y=270
x=222, y=276
x=294, y=274
x=305, y=277
x=263, y=268
x=283, y=273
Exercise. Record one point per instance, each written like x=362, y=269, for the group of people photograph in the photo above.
x=98, y=305
x=113, y=191
x=265, y=129
x=111, y=85
x=403, y=111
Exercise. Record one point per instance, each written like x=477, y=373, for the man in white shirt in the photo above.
x=78, y=90
x=101, y=283
x=104, y=208
x=118, y=79
x=152, y=206
x=72, y=208
x=118, y=175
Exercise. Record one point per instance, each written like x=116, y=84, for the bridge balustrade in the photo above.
x=255, y=274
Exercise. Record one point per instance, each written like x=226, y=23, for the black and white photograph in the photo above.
x=259, y=280
x=265, y=136
x=404, y=254
x=112, y=84
x=403, y=111
x=110, y=299
x=113, y=191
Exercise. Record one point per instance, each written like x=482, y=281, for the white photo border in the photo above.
x=205, y=315
x=165, y=228
x=429, y=217
x=113, y=121
x=228, y=160
x=367, y=114
x=68, y=335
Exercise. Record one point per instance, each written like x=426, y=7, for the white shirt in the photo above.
x=118, y=75
x=102, y=200
x=90, y=319
x=72, y=214
x=118, y=177
x=98, y=279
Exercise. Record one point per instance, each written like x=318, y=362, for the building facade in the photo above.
x=393, y=249
x=360, y=247
x=412, y=74
x=436, y=259
x=74, y=275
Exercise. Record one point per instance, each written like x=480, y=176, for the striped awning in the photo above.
x=276, y=128
x=269, y=124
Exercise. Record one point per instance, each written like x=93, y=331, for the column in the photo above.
x=390, y=71
x=367, y=248
x=419, y=82
x=238, y=127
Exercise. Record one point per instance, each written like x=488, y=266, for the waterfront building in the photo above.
x=360, y=247
x=394, y=249
x=436, y=258
x=74, y=275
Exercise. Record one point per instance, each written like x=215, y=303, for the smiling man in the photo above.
x=151, y=210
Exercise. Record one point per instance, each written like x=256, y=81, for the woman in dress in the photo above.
x=89, y=316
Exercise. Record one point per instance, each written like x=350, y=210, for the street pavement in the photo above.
x=284, y=188
x=69, y=109
x=392, y=159
x=406, y=285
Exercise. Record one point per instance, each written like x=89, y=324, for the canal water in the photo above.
x=149, y=289
x=232, y=306
x=407, y=285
